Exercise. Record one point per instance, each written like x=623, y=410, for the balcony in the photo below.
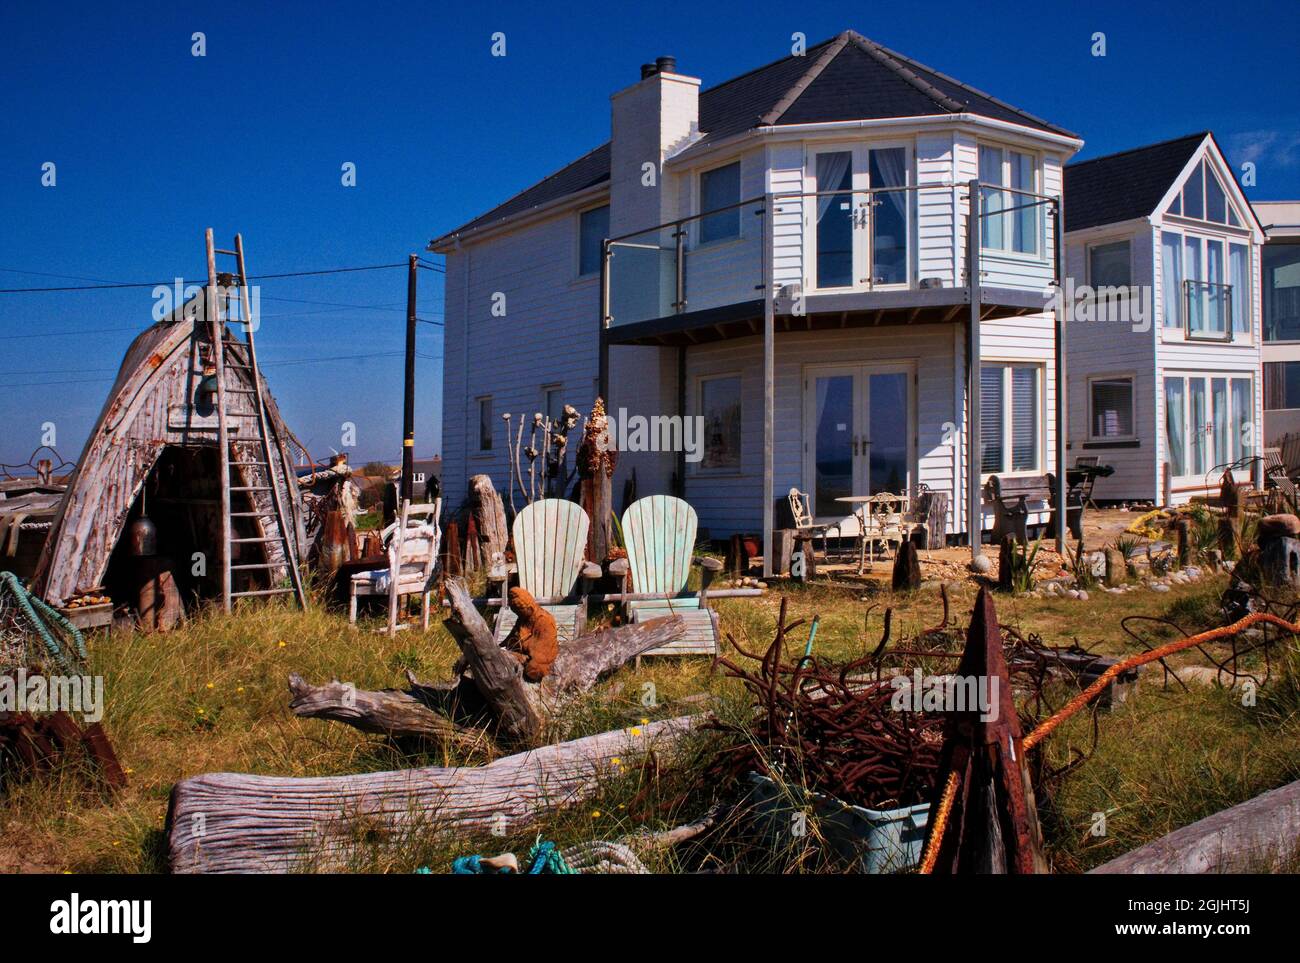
x=834, y=259
x=1207, y=311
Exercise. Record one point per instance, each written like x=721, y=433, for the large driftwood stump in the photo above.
x=596, y=460
x=234, y=823
x=489, y=517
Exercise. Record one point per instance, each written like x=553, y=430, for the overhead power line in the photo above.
x=154, y=284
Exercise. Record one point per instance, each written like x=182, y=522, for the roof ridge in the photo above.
x=766, y=66
x=888, y=59
x=784, y=103
x=1200, y=135
x=975, y=90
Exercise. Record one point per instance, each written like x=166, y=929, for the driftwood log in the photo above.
x=491, y=679
x=234, y=823
x=1247, y=838
x=489, y=517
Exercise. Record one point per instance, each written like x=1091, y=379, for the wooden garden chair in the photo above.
x=550, y=538
x=660, y=535
x=414, y=540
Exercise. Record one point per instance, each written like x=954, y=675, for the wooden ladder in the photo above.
x=260, y=475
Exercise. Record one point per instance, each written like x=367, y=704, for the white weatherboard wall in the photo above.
x=1109, y=346
x=547, y=336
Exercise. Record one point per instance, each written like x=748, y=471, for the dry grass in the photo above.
x=213, y=697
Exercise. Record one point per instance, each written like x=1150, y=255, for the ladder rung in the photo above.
x=217, y=250
x=276, y=591
x=241, y=391
x=247, y=463
x=249, y=488
x=267, y=538
x=267, y=514
x=240, y=568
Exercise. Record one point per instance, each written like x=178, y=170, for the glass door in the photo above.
x=1209, y=425
x=862, y=218
x=859, y=429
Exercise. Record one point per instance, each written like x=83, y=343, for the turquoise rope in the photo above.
x=543, y=857
x=34, y=608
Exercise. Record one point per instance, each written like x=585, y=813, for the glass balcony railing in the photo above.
x=830, y=243
x=1208, y=311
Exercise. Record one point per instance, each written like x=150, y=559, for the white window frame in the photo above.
x=1131, y=378
x=577, y=244
x=1040, y=235
x=545, y=390
x=700, y=380
x=1108, y=242
x=1040, y=442
x=1208, y=476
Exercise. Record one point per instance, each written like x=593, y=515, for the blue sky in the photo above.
x=152, y=145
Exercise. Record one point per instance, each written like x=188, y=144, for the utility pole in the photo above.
x=408, y=414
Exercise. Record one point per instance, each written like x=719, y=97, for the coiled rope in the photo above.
x=37, y=612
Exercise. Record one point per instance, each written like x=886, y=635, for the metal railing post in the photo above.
x=602, y=386
x=974, y=443
x=769, y=381
x=1062, y=388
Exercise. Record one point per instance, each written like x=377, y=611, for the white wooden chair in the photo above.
x=801, y=511
x=550, y=537
x=414, y=541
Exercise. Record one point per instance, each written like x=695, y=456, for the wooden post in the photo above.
x=1183, y=534
x=1006, y=561
x=907, y=568
x=596, y=460
x=489, y=515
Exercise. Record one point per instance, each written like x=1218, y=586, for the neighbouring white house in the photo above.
x=1280, y=294
x=785, y=255
x=1164, y=333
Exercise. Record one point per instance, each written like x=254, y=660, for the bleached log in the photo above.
x=388, y=712
x=235, y=823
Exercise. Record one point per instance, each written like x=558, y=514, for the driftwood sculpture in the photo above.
x=596, y=460
x=235, y=823
x=533, y=639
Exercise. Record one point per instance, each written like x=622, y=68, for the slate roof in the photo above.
x=845, y=78
x=1120, y=187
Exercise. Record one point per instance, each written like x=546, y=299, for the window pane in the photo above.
x=718, y=189
x=1221, y=420
x=991, y=419
x=835, y=220
x=1243, y=406
x=1024, y=419
x=1239, y=276
x=485, y=424
x=1175, y=424
x=593, y=228
x=1025, y=220
x=1197, y=423
x=1216, y=205
x=1171, y=272
x=1192, y=301
x=1193, y=201
x=1112, y=408
x=1216, y=297
x=1281, y=287
x=993, y=227
x=1176, y=205
x=1108, y=264
x=554, y=401
x=720, y=407
x=888, y=168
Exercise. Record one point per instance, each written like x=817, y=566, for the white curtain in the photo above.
x=1219, y=413
x=831, y=169
x=1238, y=261
x=1243, y=403
x=1171, y=275
x=1175, y=419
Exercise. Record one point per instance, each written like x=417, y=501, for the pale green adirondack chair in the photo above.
x=660, y=534
x=550, y=537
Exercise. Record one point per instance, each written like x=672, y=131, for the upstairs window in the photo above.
x=1109, y=265
x=720, y=192
x=593, y=229
x=1009, y=221
x=1281, y=292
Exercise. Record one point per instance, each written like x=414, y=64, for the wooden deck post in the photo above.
x=1062, y=390
x=769, y=380
x=974, y=508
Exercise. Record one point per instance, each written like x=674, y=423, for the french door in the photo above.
x=1209, y=424
x=861, y=217
x=859, y=427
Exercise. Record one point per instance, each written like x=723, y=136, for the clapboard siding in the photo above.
x=1118, y=339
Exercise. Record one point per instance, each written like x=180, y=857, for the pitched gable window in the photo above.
x=1204, y=198
x=593, y=228
x=720, y=192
